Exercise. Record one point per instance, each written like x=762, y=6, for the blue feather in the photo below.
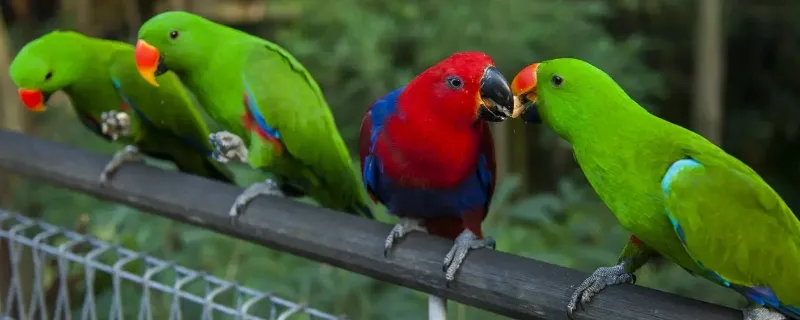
x=257, y=116
x=188, y=140
x=415, y=202
x=762, y=295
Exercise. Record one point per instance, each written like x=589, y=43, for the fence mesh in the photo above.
x=62, y=274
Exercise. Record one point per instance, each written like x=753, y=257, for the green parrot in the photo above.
x=680, y=196
x=274, y=112
x=113, y=101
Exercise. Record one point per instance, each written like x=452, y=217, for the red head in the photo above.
x=464, y=88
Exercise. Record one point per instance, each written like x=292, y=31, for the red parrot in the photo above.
x=427, y=152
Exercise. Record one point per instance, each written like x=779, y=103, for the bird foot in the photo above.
x=757, y=312
x=129, y=154
x=401, y=229
x=465, y=242
x=269, y=187
x=115, y=124
x=227, y=146
x=600, y=278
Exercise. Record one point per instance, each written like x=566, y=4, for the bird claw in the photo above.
x=465, y=242
x=268, y=187
x=755, y=311
x=401, y=229
x=227, y=146
x=114, y=124
x=599, y=280
x=129, y=154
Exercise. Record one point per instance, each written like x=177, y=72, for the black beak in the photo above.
x=530, y=113
x=497, y=101
x=46, y=96
x=161, y=67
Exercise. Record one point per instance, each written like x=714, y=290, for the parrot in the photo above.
x=110, y=99
x=681, y=196
x=427, y=152
x=275, y=115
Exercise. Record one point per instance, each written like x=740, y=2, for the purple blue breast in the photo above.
x=428, y=203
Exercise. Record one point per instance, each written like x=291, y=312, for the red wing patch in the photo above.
x=636, y=242
x=251, y=125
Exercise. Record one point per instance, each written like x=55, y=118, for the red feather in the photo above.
x=251, y=125
x=636, y=242
x=450, y=227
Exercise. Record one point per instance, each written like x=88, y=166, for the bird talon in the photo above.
x=227, y=146
x=115, y=124
x=400, y=230
x=267, y=187
x=465, y=242
x=233, y=220
x=599, y=280
x=129, y=154
x=754, y=311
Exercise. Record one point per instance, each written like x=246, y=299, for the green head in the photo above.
x=575, y=95
x=177, y=41
x=45, y=65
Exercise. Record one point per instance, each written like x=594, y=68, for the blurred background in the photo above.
x=724, y=69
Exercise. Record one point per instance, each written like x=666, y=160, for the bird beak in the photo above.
x=34, y=99
x=495, y=101
x=524, y=88
x=149, y=62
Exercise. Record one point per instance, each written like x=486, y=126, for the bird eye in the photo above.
x=557, y=81
x=454, y=82
x=48, y=75
x=173, y=34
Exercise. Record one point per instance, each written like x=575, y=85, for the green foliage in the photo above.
x=359, y=50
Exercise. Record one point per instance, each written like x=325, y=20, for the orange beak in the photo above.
x=32, y=99
x=524, y=88
x=147, y=58
x=525, y=81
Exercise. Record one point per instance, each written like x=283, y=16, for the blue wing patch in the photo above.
x=257, y=116
x=381, y=110
x=484, y=175
x=762, y=295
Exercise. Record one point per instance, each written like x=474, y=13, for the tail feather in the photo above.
x=361, y=210
x=217, y=171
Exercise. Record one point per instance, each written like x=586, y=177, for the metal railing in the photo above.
x=141, y=286
x=503, y=283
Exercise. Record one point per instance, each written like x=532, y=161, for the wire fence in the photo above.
x=62, y=274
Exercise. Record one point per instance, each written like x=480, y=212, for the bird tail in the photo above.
x=351, y=200
x=217, y=171
x=361, y=210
